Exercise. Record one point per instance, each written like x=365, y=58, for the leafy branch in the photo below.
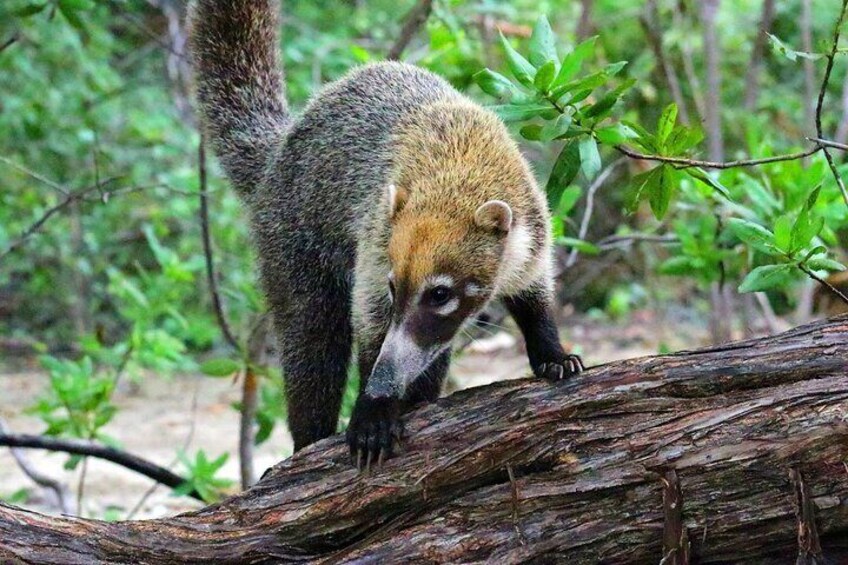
x=552, y=91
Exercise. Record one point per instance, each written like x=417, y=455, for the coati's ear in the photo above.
x=396, y=198
x=495, y=215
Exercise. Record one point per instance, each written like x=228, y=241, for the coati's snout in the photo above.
x=423, y=323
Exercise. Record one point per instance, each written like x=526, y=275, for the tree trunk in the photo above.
x=732, y=454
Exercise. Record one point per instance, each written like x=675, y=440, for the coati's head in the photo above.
x=445, y=263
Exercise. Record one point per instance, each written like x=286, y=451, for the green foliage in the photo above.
x=552, y=100
x=77, y=404
x=201, y=475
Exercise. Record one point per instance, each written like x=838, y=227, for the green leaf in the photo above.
x=603, y=106
x=77, y=4
x=614, y=68
x=542, y=44
x=681, y=265
x=790, y=53
x=783, y=232
x=494, y=84
x=615, y=135
x=660, y=191
x=568, y=199
x=646, y=140
x=806, y=226
x=754, y=235
x=556, y=128
x=30, y=10
x=639, y=184
x=579, y=244
x=520, y=67
x=665, y=125
x=590, y=158
x=824, y=264
x=766, y=277
x=221, y=367
x=572, y=62
x=580, y=88
x=520, y=112
x=544, y=76
x=565, y=170
x=707, y=179
x=72, y=16
x=683, y=138
x=532, y=132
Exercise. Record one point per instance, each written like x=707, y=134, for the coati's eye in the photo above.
x=438, y=296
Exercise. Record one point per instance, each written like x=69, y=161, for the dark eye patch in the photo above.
x=437, y=296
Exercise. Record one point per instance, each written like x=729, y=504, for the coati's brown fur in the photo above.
x=390, y=212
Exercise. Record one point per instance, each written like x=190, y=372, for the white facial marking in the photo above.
x=440, y=280
x=515, y=258
x=391, y=194
x=449, y=307
x=474, y=289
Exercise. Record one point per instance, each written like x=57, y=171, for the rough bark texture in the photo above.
x=734, y=454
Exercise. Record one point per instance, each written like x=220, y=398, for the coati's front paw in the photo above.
x=374, y=429
x=560, y=370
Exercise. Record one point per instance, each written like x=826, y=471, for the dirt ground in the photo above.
x=161, y=415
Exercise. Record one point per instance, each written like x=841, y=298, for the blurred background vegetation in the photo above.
x=97, y=135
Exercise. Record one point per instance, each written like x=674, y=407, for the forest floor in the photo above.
x=160, y=415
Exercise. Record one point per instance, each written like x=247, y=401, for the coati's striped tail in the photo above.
x=240, y=90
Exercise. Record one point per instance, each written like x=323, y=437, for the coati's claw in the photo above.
x=373, y=431
x=559, y=371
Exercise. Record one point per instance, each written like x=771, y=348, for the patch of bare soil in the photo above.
x=161, y=415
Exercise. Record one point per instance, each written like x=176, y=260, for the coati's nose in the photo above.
x=382, y=383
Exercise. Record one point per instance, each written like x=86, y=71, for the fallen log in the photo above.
x=732, y=454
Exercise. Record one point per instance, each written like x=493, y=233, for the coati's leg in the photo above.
x=532, y=310
x=314, y=335
x=375, y=425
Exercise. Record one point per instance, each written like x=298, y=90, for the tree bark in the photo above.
x=731, y=454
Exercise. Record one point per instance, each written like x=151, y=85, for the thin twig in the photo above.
x=827, y=70
x=590, y=202
x=81, y=485
x=207, y=248
x=25, y=465
x=829, y=143
x=250, y=400
x=685, y=162
x=39, y=223
x=822, y=281
x=9, y=42
x=91, y=449
x=616, y=241
x=416, y=18
x=37, y=176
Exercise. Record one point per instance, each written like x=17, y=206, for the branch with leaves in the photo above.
x=554, y=102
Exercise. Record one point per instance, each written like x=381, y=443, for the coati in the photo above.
x=389, y=213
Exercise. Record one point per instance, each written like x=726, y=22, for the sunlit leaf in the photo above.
x=766, y=277
x=542, y=44
x=590, y=158
x=520, y=67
